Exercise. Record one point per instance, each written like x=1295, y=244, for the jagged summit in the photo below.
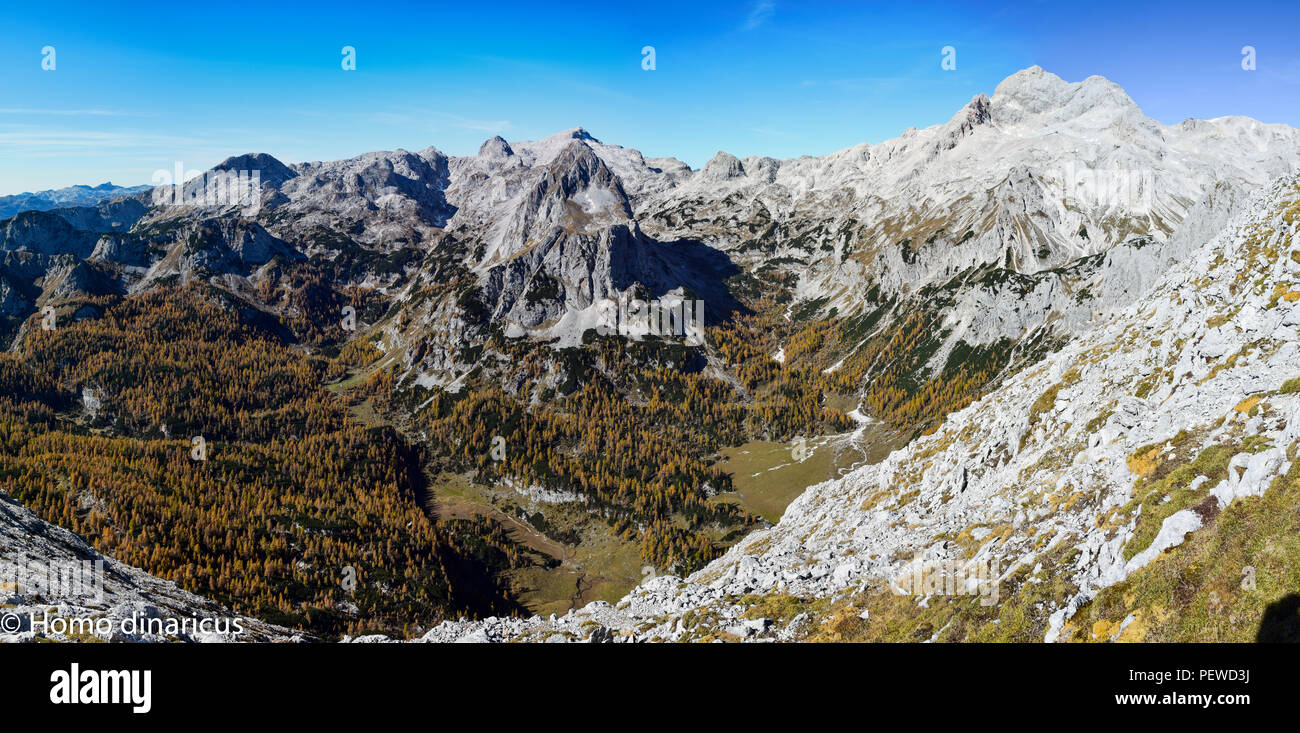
x=723, y=167
x=977, y=112
x=541, y=152
x=271, y=170
x=579, y=133
x=495, y=147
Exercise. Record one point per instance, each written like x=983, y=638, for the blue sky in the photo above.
x=137, y=87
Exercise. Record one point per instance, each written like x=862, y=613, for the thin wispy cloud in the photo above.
x=20, y=139
x=758, y=15
x=390, y=118
x=30, y=111
x=32, y=142
x=480, y=125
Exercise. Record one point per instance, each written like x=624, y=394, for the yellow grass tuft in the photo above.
x=1144, y=462
x=1248, y=404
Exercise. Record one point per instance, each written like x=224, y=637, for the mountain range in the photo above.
x=59, y=198
x=1059, y=305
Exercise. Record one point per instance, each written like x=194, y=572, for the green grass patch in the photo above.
x=1166, y=487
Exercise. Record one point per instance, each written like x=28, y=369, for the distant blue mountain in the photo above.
x=64, y=197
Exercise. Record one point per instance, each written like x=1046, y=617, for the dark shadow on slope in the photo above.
x=1281, y=622
x=533, y=287
x=702, y=271
x=475, y=569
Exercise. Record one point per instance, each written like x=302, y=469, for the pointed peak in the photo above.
x=976, y=112
x=495, y=147
x=573, y=133
x=723, y=166
x=271, y=170
x=430, y=153
x=576, y=152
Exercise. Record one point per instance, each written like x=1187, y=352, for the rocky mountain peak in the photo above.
x=722, y=167
x=271, y=171
x=977, y=112
x=1033, y=93
x=495, y=147
x=578, y=167
x=1031, y=85
x=579, y=133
